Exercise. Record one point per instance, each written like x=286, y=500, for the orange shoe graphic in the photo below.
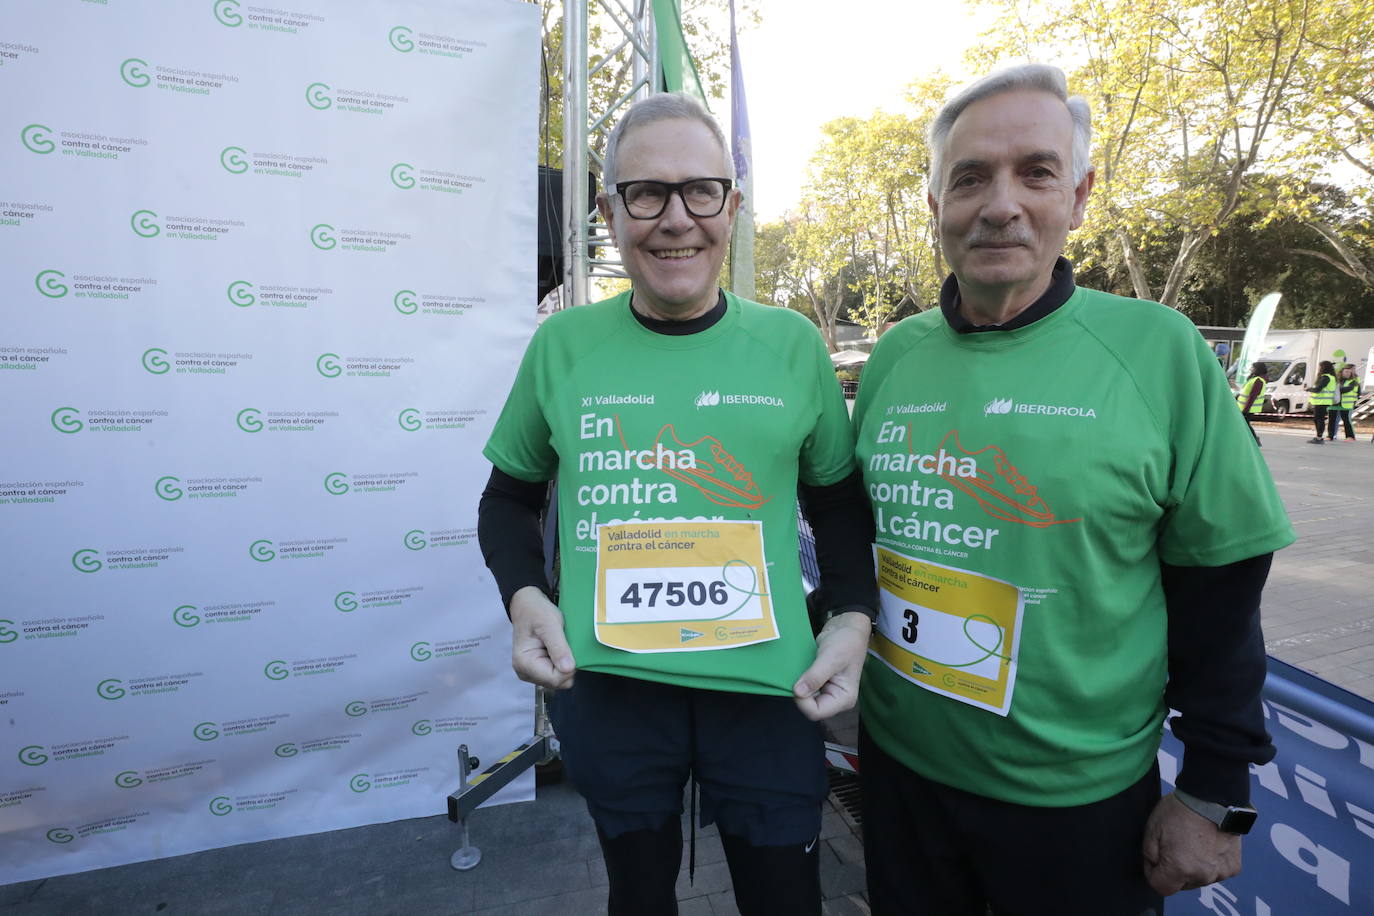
x=720, y=477
x=1004, y=492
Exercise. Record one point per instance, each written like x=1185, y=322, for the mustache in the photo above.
x=1018, y=236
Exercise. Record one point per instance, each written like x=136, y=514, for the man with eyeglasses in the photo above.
x=679, y=422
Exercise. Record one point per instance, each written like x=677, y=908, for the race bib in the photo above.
x=949, y=631
x=682, y=586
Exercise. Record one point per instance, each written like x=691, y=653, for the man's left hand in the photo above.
x=1183, y=850
x=831, y=684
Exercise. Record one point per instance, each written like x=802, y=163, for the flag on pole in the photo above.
x=742, y=244
x=679, y=70
x=1255, y=331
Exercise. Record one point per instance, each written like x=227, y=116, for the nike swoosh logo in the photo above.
x=812, y=845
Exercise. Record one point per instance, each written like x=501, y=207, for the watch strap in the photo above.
x=1234, y=819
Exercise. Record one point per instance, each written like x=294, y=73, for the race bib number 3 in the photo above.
x=682, y=586
x=950, y=631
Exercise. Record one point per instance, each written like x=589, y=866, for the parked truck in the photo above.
x=1289, y=360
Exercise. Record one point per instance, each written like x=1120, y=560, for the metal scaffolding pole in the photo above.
x=638, y=53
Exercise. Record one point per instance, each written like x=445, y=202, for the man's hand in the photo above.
x=539, y=650
x=831, y=684
x=1183, y=850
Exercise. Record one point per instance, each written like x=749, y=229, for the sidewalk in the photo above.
x=542, y=857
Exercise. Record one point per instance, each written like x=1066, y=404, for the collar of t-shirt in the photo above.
x=690, y=326
x=1061, y=288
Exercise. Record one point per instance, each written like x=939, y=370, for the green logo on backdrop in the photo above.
x=275, y=670
x=48, y=283
x=318, y=97
x=288, y=749
x=420, y=651
x=186, y=616
x=415, y=540
x=421, y=727
x=261, y=551
x=325, y=365
x=153, y=361
x=231, y=157
x=8, y=635
x=33, y=756
x=131, y=71
x=166, y=488
x=355, y=709
x=343, y=601
x=64, y=420
x=248, y=420
x=60, y=835
x=220, y=806
x=409, y=419
x=85, y=560
x=241, y=294
x=35, y=138
x=227, y=12
x=143, y=224
x=405, y=302
x=320, y=236
x=336, y=483
x=360, y=783
x=205, y=731
x=401, y=177
x=400, y=39
x=129, y=779
x=109, y=689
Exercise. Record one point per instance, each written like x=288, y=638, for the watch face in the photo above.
x=1238, y=820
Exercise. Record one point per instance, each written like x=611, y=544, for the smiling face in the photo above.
x=674, y=260
x=1008, y=200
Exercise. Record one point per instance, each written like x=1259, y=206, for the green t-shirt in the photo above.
x=716, y=426
x=1026, y=485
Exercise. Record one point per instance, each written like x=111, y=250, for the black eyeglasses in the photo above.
x=703, y=197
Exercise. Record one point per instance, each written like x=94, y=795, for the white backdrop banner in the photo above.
x=267, y=275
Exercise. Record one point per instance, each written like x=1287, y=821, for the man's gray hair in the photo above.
x=1036, y=77
x=664, y=106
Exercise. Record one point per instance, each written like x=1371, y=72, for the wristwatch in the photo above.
x=1236, y=819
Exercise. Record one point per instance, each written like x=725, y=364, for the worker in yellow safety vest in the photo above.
x=1324, y=397
x=1348, y=392
x=1250, y=398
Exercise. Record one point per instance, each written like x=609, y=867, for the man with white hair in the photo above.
x=1073, y=531
x=678, y=421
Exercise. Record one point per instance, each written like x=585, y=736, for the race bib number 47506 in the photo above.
x=682, y=586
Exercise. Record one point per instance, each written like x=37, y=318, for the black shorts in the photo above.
x=629, y=747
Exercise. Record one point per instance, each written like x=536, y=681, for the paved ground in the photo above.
x=541, y=857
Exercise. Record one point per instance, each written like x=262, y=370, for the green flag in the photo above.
x=679, y=70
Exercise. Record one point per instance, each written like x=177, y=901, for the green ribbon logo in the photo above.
x=325, y=365
x=33, y=756
x=227, y=12
x=248, y=420
x=399, y=38
x=405, y=302
x=288, y=749
x=318, y=97
x=415, y=540
x=166, y=488
x=60, y=835
x=109, y=689
x=129, y=779
x=420, y=651
x=275, y=670
x=421, y=727
x=6, y=634
x=64, y=420
x=205, y=731
x=35, y=138
x=320, y=236
x=336, y=483
x=48, y=283
x=153, y=361
x=360, y=783
x=143, y=224
x=409, y=419
x=346, y=601
x=85, y=560
x=186, y=616
x=355, y=709
x=231, y=157
x=220, y=806
x=240, y=293
x=131, y=71
x=401, y=177
x=261, y=551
